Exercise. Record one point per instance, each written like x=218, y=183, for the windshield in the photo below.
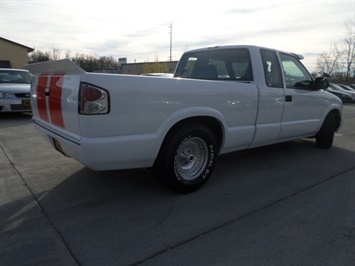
x=14, y=76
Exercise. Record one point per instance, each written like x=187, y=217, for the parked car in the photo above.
x=15, y=87
x=347, y=87
x=344, y=95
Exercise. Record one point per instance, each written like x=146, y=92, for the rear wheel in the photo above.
x=187, y=158
x=325, y=136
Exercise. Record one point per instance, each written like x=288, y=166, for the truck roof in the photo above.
x=299, y=56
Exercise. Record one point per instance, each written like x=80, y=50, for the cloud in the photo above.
x=140, y=29
x=251, y=7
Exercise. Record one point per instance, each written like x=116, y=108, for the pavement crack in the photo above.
x=37, y=201
x=216, y=228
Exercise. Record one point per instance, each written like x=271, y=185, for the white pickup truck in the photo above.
x=220, y=100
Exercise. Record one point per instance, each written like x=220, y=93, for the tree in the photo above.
x=107, y=63
x=67, y=54
x=89, y=63
x=328, y=62
x=333, y=60
x=86, y=62
x=55, y=53
x=349, y=48
x=38, y=56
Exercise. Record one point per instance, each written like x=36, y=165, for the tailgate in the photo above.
x=54, y=97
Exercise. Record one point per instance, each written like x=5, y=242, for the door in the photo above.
x=303, y=105
x=271, y=101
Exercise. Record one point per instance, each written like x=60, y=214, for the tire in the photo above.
x=325, y=135
x=187, y=158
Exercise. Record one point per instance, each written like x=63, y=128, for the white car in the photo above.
x=15, y=87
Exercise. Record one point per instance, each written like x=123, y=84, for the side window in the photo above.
x=296, y=75
x=272, y=69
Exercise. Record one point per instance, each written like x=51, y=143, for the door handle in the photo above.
x=288, y=98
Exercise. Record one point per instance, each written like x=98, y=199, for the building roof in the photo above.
x=29, y=49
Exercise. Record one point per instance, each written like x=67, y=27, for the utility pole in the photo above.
x=171, y=41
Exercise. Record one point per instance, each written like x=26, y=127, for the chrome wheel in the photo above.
x=187, y=158
x=191, y=159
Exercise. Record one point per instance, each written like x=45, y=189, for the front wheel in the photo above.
x=187, y=158
x=325, y=136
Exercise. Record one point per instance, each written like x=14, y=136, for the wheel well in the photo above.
x=212, y=123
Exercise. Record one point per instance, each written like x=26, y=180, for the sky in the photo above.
x=139, y=30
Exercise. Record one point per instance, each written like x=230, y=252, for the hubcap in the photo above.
x=191, y=158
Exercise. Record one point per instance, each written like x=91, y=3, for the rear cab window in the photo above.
x=223, y=64
x=272, y=69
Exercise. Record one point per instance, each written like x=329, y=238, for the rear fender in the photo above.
x=191, y=113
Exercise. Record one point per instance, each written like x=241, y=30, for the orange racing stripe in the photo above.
x=41, y=97
x=55, y=100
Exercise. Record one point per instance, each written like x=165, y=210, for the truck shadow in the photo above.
x=130, y=207
x=294, y=160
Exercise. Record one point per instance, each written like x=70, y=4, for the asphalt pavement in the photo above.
x=284, y=204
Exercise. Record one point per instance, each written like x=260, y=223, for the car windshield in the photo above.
x=13, y=76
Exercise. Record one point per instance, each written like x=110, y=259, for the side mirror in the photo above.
x=321, y=83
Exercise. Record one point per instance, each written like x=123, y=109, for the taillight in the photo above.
x=93, y=100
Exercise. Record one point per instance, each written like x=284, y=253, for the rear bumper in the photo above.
x=107, y=153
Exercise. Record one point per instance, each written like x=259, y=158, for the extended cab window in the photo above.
x=223, y=64
x=296, y=75
x=272, y=69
